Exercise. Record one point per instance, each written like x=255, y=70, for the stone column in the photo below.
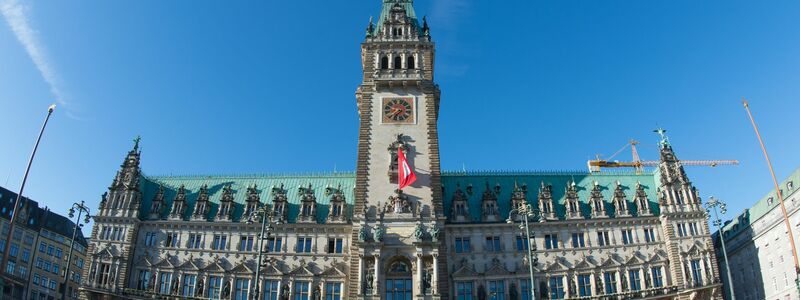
x=376, y=286
x=419, y=282
x=435, y=278
x=360, y=274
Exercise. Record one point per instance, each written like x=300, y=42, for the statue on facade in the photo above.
x=369, y=279
x=152, y=284
x=285, y=292
x=362, y=234
x=316, y=295
x=378, y=234
x=175, y=285
x=435, y=233
x=200, y=287
x=481, y=292
x=427, y=280
x=226, y=290
x=398, y=203
x=571, y=286
x=512, y=292
x=418, y=233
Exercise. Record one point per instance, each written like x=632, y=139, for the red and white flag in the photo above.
x=406, y=173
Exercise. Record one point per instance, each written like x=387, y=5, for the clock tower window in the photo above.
x=398, y=62
x=384, y=62
x=410, y=62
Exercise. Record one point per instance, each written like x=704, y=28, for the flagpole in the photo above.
x=780, y=195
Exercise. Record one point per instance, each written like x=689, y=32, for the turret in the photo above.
x=124, y=197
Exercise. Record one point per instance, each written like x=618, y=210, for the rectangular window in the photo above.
x=274, y=245
x=658, y=279
x=271, y=289
x=150, y=239
x=522, y=243
x=333, y=291
x=335, y=245
x=577, y=240
x=214, y=286
x=56, y=268
x=42, y=247
x=525, y=287
x=50, y=250
x=611, y=282
x=301, y=290
x=194, y=241
x=10, y=267
x=35, y=279
x=636, y=282
x=398, y=289
x=246, y=243
x=143, y=280
x=649, y=235
x=497, y=290
x=39, y=263
x=188, y=285
x=53, y=285
x=584, y=285
x=46, y=266
x=464, y=291
x=557, y=287
x=164, y=281
x=23, y=271
x=493, y=244
x=693, y=228
x=44, y=282
x=59, y=252
x=14, y=250
x=627, y=237
x=105, y=271
x=220, y=242
x=602, y=239
x=241, y=288
x=172, y=240
x=551, y=241
x=303, y=245
x=463, y=245
x=697, y=274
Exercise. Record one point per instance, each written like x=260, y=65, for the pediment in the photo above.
x=610, y=262
x=108, y=252
x=333, y=272
x=145, y=261
x=634, y=260
x=585, y=264
x=557, y=266
x=657, y=257
x=189, y=265
x=465, y=271
x=302, y=271
x=242, y=268
x=215, y=267
x=497, y=270
x=270, y=269
x=165, y=263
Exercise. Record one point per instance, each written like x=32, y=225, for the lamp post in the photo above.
x=526, y=212
x=713, y=204
x=267, y=220
x=4, y=263
x=81, y=208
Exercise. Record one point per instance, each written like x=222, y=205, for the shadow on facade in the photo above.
x=743, y=257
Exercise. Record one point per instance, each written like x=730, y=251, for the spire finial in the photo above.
x=663, y=134
x=136, y=142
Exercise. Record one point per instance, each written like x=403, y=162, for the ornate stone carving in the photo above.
x=419, y=233
x=398, y=203
x=202, y=206
x=597, y=202
x=378, y=234
x=336, y=213
x=226, y=204
x=308, y=205
x=280, y=202
x=546, y=202
x=460, y=207
x=489, y=207
x=573, y=202
x=620, y=202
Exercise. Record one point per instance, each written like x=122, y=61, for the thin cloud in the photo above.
x=15, y=14
x=448, y=13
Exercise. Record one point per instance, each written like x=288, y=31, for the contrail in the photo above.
x=15, y=15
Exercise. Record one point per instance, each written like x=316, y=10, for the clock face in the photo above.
x=398, y=110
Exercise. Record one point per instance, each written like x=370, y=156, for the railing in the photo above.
x=634, y=294
x=395, y=74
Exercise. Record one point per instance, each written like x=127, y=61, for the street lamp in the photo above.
x=4, y=263
x=81, y=207
x=526, y=212
x=268, y=219
x=713, y=204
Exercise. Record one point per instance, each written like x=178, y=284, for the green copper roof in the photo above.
x=386, y=10
x=762, y=207
x=559, y=180
x=239, y=184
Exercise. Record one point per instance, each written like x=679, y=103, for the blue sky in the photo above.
x=268, y=86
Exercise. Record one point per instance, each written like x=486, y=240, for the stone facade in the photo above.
x=759, y=252
x=355, y=236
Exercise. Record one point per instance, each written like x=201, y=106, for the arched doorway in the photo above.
x=399, y=281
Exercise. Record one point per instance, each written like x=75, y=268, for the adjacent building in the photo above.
x=758, y=248
x=598, y=235
x=38, y=253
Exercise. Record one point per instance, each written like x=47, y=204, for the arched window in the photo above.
x=398, y=62
x=410, y=63
x=384, y=63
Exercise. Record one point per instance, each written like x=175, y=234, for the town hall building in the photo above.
x=596, y=235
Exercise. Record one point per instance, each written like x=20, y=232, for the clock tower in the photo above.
x=397, y=233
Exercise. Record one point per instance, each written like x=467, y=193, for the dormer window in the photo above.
x=279, y=208
x=337, y=210
x=306, y=210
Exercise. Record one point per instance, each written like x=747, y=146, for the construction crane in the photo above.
x=639, y=165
